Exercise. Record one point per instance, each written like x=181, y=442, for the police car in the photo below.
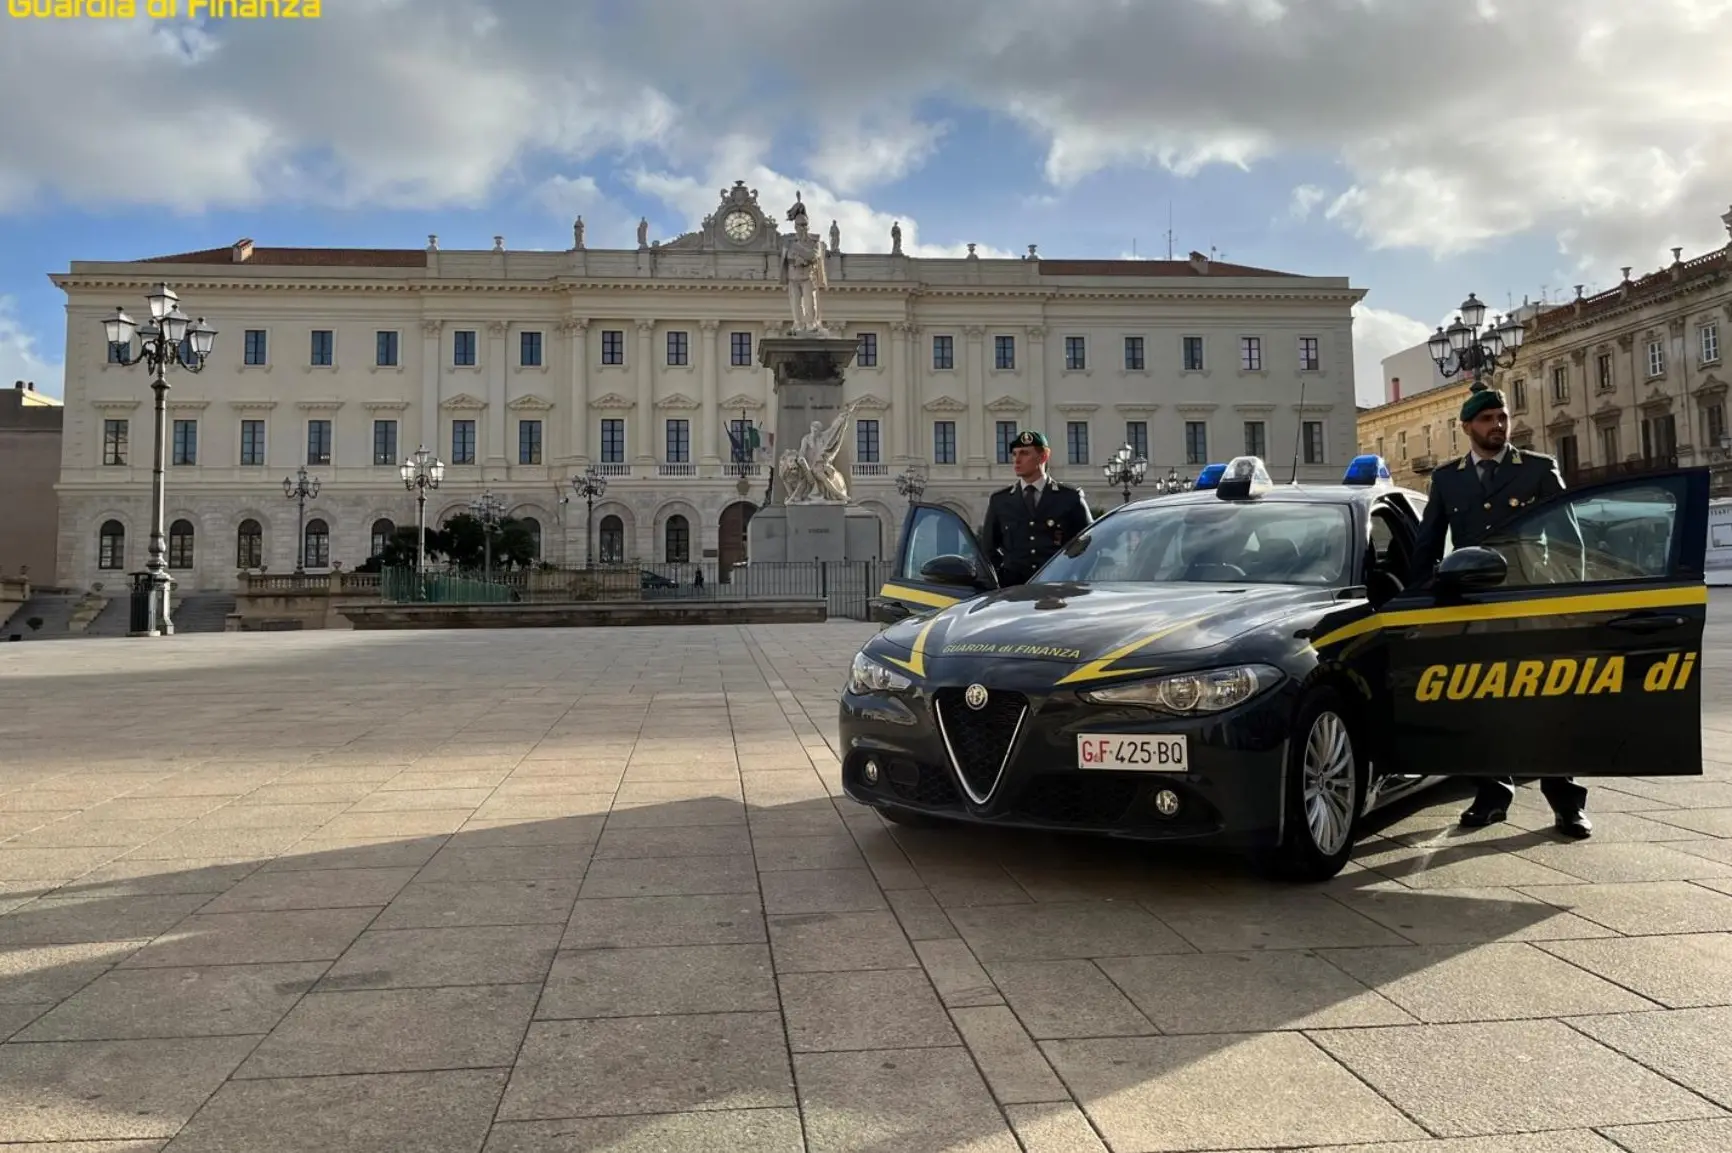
x=1244, y=663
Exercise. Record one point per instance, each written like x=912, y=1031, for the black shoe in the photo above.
x=1478, y=816
x=1574, y=824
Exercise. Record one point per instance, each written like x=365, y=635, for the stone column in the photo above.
x=646, y=408
x=1037, y=384
x=710, y=454
x=577, y=351
x=902, y=406
x=431, y=348
x=975, y=336
x=496, y=411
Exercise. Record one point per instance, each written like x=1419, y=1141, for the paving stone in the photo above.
x=146, y=1088
x=1678, y=972
x=449, y=955
x=1687, y=1045
x=663, y=979
x=1555, y=1141
x=920, y=915
x=839, y=942
x=881, y=1009
x=255, y=938
x=626, y=922
x=1438, y=1075
x=1499, y=982
x=461, y=861
x=1052, y=932
x=821, y=891
x=1648, y=908
x=224, y=1000
x=1014, y=1069
x=57, y=920
x=312, y=889
x=1217, y=923
x=1467, y=915
x=1248, y=992
x=907, y=1100
x=1673, y=1137
x=383, y=852
x=1053, y=1128
x=669, y=877
x=444, y=904
x=649, y=1065
x=440, y=1112
x=396, y=1031
x=1067, y=999
x=758, y=1130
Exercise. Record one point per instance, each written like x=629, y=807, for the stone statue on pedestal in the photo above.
x=803, y=273
x=810, y=475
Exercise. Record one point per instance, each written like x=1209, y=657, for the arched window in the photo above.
x=612, y=545
x=533, y=528
x=111, y=545
x=180, y=544
x=679, y=540
x=249, y=545
x=318, y=553
x=383, y=531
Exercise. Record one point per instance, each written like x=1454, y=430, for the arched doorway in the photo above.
x=731, y=537
x=611, y=550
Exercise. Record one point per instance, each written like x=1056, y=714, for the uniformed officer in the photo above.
x=1470, y=499
x=1033, y=518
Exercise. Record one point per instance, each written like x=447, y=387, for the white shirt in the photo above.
x=1500, y=456
x=1039, y=486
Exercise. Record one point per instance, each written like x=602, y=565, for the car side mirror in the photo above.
x=951, y=570
x=1471, y=569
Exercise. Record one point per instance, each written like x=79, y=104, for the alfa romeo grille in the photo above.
x=979, y=739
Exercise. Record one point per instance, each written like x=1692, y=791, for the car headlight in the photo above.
x=868, y=676
x=1209, y=691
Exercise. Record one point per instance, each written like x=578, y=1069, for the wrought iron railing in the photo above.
x=1642, y=466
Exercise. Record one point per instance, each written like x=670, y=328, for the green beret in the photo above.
x=1029, y=440
x=1479, y=399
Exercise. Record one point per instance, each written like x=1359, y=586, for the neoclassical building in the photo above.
x=522, y=369
x=1632, y=379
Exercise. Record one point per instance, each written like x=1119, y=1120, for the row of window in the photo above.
x=316, y=542
x=530, y=352
x=868, y=441
x=1659, y=439
x=1708, y=346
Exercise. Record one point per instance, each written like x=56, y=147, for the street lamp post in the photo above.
x=301, y=488
x=1173, y=482
x=489, y=509
x=911, y=482
x=1123, y=470
x=421, y=472
x=590, y=485
x=1462, y=347
x=167, y=339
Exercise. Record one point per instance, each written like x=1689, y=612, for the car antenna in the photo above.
x=1298, y=433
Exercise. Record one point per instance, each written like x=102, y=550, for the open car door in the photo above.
x=1569, y=644
x=933, y=533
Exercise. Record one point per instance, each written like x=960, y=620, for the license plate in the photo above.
x=1136, y=753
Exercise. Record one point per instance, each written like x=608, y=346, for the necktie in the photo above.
x=1486, y=468
x=1030, y=497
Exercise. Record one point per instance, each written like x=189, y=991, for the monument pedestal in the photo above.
x=813, y=533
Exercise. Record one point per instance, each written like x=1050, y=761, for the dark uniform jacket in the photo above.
x=1470, y=510
x=1018, y=543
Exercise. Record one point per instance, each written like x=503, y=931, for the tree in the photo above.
x=463, y=541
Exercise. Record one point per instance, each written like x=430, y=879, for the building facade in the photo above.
x=30, y=453
x=1416, y=433
x=521, y=369
x=1633, y=379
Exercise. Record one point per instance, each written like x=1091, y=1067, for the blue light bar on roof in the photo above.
x=1367, y=469
x=1210, y=477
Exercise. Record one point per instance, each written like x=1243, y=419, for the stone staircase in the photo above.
x=203, y=612
x=55, y=609
x=113, y=619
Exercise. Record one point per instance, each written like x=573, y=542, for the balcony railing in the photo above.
x=874, y=468
x=1641, y=466
x=613, y=468
x=685, y=469
x=1424, y=463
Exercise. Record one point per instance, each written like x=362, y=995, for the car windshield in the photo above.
x=1284, y=542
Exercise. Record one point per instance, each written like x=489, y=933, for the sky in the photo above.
x=1424, y=149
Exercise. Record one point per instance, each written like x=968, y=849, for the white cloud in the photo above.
x=1568, y=127
x=21, y=359
x=1305, y=198
x=1378, y=333
x=875, y=155
x=863, y=227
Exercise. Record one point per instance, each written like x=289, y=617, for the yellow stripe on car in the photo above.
x=1098, y=669
x=916, y=662
x=918, y=596
x=1517, y=609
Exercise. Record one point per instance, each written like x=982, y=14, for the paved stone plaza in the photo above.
x=587, y=890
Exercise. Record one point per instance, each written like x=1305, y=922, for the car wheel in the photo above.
x=1324, y=787
x=908, y=818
